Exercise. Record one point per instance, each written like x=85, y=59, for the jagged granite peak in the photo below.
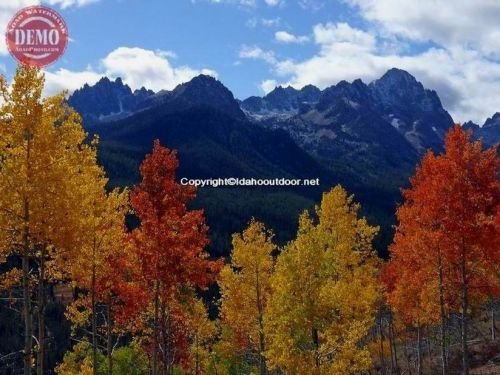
x=493, y=121
x=470, y=125
x=205, y=90
x=282, y=101
x=282, y=97
x=310, y=93
x=109, y=100
x=397, y=100
x=415, y=111
x=143, y=92
x=353, y=94
x=489, y=133
x=399, y=89
x=106, y=100
x=399, y=77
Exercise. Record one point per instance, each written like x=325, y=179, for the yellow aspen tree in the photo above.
x=246, y=290
x=202, y=337
x=324, y=293
x=43, y=156
x=102, y=236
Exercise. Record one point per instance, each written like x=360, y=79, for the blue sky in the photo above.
x=253, y=45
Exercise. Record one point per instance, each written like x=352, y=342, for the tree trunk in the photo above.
x=41, y=314
x=396, y=365
x=428, y=347
x=465, y=308
x=382, y=357
x=391, y=352
x=493, y=328
x=260, y=309
x=197, y=357
x=315, y=339
x=165, y=327
x=442, y=315
x=155, y=328
x=419, y=351
x=27, y=310
x=408, y=360
x=109, y=332
x=28, y=323
x=94, y=323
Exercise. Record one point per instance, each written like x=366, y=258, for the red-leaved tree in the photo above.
x=169, y=244
x=446, y=249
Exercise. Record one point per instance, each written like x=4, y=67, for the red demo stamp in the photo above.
x=37, y=36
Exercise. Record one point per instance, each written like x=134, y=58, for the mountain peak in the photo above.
x=284, y=101
x=205, y=90
x=204, y=79
x=354, y=93
x=489, y=132
x=470, y=125
x=105, y=81
x=493, y=121
x=398, y=88
x=106, y=99
x=395, y=75
x=201, y=82
x=282, y=92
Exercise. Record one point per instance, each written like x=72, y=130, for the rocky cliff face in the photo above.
x=107, y=100
x=489, y=133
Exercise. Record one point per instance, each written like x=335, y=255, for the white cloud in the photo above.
x=462, y=22
x=268, y=85
x=467, y=83
x=63, y=79
x=256, y=53
x=342, y=38
x=271, y=22
x=136, y=66
x=273, y=3
x=245, y=3
x=313, y=5
x=140, y=67
x=286, y=37
x=69, y=3
x=264, y=22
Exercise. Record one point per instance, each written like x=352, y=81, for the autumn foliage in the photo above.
x=169, y=245
x=146, y=298
x=324, y=292
x=446, y=249
x=245, y=286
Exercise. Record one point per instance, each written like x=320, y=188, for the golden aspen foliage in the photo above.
x=43, y=154
x=202, y=336
x=44, y=158
x=324, y=293
x=102, y=236
x=245, y=286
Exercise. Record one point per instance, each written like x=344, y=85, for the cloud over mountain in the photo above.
x=137, y=67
